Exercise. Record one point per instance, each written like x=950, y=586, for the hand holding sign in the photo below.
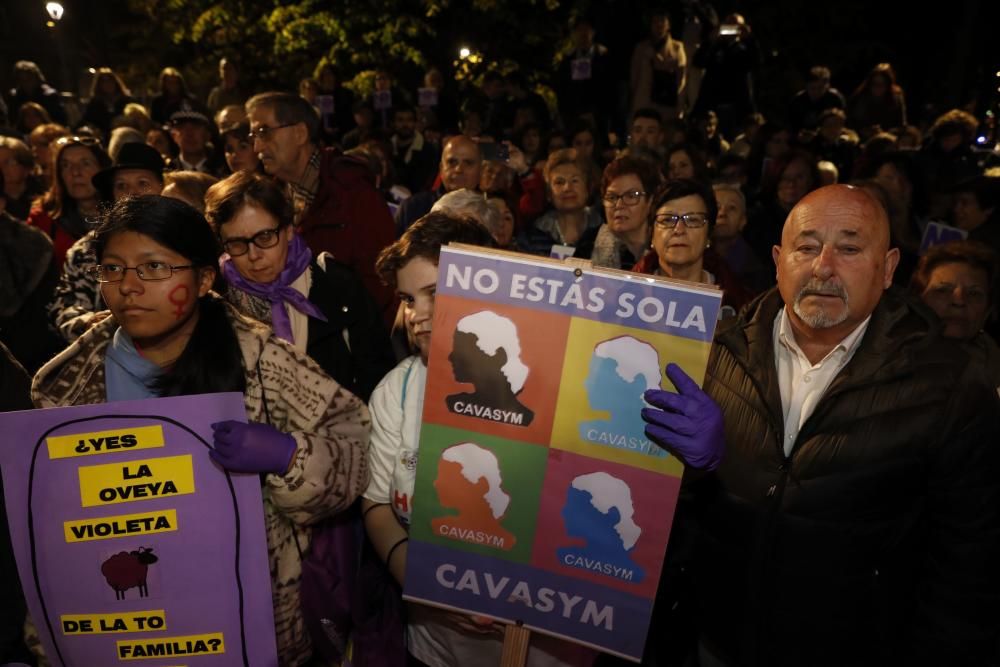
x=241, y=447
x=689, y=424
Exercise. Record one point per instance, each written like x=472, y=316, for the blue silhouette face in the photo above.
x=606, y=390
x=584, y=521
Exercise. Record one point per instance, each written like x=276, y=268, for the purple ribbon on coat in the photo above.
x=280, y=290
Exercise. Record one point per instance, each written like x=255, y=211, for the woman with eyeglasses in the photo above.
x=682, y=214
x=168, y=334
x=63, y=211
x=316, y=304
x=626, y=190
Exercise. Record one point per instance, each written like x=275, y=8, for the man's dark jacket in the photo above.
x=874, y=543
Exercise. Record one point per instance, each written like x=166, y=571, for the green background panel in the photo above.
x=522, y=469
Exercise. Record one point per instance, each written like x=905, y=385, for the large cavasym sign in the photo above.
x=538, y=497
x=132, y=546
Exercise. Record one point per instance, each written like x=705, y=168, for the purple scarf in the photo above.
x=280, y=291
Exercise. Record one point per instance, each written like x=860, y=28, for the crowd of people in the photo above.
x=841, y=503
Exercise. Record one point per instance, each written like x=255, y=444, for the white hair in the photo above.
x=466, y=203
x=736, y=190
x=494, y=331
x=480, y=463
x=607, y=492
x=634, y=357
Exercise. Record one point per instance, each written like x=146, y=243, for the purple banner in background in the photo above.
x=130, y=543
x=630, y=300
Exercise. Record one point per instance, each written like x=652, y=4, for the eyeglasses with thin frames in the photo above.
x=148, y=271
x=264, y=131
x=264, y=239
x=691, y=220
x=631, y=198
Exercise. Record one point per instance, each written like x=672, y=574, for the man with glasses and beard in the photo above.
x=338, y=208
x=851, y=512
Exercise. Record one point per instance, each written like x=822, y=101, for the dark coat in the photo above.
x=350, y=220
x=27, y=281
x=352, y=346
x=875, y=542
x=416, y=207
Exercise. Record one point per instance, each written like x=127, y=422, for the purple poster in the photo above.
x=131, y=544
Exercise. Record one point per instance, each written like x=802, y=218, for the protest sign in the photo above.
x=538, y=497
x=937, y=233
x=130, y=543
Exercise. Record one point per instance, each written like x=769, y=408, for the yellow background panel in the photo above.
x=574, y=405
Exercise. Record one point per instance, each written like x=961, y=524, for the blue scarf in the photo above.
x=280, y=291
x=127, y=374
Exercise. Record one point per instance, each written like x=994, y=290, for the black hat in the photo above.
x=132, y=155
x=189, y=116
x=240, y=130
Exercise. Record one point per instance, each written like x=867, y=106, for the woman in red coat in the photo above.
x=63, y=211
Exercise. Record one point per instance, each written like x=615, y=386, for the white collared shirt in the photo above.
x=801, y=383
x=187, y=166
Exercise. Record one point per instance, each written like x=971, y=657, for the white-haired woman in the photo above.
x=486, y=353
x=465, y=203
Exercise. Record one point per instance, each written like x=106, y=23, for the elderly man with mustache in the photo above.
x=846, y=510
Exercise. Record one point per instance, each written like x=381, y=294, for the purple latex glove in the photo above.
x=253, y=447
x=688, y=424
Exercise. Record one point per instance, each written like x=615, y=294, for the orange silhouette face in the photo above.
x=455, y=491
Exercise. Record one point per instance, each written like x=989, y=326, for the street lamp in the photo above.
x=464, y=52
x=55, y=10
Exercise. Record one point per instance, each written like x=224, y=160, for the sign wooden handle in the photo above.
x=515, y=646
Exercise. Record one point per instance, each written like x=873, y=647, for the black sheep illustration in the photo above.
x=125, y=570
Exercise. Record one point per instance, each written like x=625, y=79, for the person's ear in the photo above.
x=302, y=134
x=891, y=262
x=206, y=278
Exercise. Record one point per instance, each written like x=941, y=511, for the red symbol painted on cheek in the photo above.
x=179, y=297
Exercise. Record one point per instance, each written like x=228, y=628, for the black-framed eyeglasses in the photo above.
x=113, y=273
x=691, y=220
x=630, y=198
x=264, y=239
x=264, y=131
